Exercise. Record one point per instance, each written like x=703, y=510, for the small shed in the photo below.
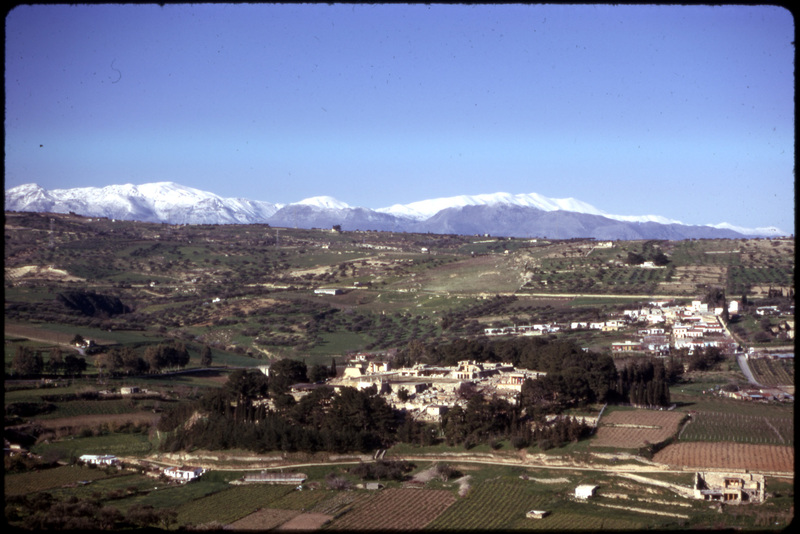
x=584, y=491
x=537, y=514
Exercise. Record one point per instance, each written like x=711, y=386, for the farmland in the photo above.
x=250, y=298
x=231, y=504
x=402, y=509
x=727, y=455
x=739, y=428
x=24, y=483
x=772, y=372
x=636, y=428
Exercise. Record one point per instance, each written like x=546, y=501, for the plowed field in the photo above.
x=728, y=455
x=634, y=429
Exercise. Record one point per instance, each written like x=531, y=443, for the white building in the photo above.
x=184, y=473
x=584, y=491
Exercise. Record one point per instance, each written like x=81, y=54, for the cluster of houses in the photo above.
x=659, y=328
x=759, y=395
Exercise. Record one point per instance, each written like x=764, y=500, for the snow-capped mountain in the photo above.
x=425, y=209
x=501, y=214
x=322, y=202
x=154, y=202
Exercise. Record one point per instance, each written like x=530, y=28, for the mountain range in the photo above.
x=499, y=214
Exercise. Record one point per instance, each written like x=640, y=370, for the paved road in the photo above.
x=742, y=359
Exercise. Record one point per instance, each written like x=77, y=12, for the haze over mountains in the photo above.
x=499, y=214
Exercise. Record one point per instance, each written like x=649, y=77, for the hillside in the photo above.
x=225, y=284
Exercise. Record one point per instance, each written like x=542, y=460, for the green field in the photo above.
x=732, y=426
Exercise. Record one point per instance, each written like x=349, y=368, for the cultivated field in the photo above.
x=264, y=519
x=636, y=428
x=728, y=455
x=305, y=522
x=33, y=481
x=396, y=509
x=772, y=372
x=737, y=427
x=233, y=504
x=502, y=505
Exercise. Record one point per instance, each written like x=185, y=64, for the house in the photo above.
x=436, y=410
x=625, y=346
x=99, y=459
x=584, y=491
x=85, y=343
x=184, y=473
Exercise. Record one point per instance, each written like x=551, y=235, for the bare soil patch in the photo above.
x=40, y=272
x=305, y=522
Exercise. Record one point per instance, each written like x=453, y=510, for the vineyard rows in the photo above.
x=396, y=509
x=772, y=372
x=756, y=429
x=493, y=505
x=229, y=505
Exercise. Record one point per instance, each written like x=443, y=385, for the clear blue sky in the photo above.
x=680, y=111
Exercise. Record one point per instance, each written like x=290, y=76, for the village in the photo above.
x=428, y=392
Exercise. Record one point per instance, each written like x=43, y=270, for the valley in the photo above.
x=248, y=348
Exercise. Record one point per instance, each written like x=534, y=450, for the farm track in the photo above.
x=653, y=467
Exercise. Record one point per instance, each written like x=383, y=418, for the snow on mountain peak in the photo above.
x=168, y=201
x=426, y=208
x=323, y=202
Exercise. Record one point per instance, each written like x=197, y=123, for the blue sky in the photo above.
x=680, y=111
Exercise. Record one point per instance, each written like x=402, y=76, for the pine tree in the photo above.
x=205, y=356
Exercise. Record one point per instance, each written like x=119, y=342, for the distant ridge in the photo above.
x=498, y=214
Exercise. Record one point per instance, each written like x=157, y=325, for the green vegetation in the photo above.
x=186, y=314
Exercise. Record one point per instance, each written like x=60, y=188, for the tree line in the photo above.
x=257, y=412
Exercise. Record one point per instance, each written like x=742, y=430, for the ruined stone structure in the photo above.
x=729, y=488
